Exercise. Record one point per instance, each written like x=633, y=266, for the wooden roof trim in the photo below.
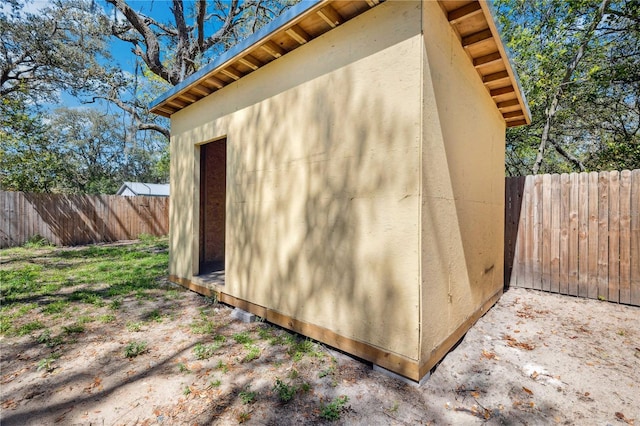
x=330, y=16
x=474, y=24
x=484, y=48
x=464, y=12
x=298, y=34
x=477, y=38
x=491, y=21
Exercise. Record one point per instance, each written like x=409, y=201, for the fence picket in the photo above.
x=546, y=233
x=603, y=234
x=625, y=236
x=614, y=238
x=555, y=234
x=583, y=235
x=565, y=185
x=635, y=239
x=537, y=233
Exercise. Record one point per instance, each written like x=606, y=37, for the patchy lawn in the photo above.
x=96, y=335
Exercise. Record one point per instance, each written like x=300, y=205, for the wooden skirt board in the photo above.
x=406, y=367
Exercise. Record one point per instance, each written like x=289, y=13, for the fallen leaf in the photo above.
x=488, y=355
x=515, y=344
x=622, y=417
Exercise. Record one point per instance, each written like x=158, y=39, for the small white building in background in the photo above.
x=134, y=189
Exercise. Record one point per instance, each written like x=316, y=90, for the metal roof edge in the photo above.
x=507, y=51
x=274, y=26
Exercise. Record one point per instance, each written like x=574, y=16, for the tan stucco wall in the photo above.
x=323, y=180
x=463, y=186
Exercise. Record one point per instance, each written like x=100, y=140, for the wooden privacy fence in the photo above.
x=576, y=234
x=79, y=219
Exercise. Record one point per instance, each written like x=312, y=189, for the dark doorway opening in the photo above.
x=213, y=196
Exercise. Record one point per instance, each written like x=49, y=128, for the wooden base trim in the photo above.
x=398, y=364
x=198, y=288
x=258, y=310
x=441, y=350
x=388, y=360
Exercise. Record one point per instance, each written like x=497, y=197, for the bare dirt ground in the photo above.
x=534, y=358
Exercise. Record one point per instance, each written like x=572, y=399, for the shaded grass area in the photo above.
x=64, y=309
x=51, y=278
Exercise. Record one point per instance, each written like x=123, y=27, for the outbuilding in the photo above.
x=341, y=173
x=136, y=189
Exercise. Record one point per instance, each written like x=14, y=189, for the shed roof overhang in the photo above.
x=472, y=20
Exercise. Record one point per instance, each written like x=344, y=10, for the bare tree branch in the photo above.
x=151, y=56
x=570, y=157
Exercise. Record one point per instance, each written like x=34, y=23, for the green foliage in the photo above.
x=597, y=122
x=115, y=304
x=155, y=315
x=221, y=365
x=77, y=151
x=36, y=241
x=247, y=396
x=73, y=329
x=253, y=353
x=29, y=327
x=107, y=318
x=47, y=363
x=333, y=410
x=242, y=338
x=299, y=348
x=243, y=416
x=56, y=307
x=134, y=326
x=133, y=349
x=203, y=326
x=50, y=342
x=202, y=351
x=27, y=160
x=285, y=392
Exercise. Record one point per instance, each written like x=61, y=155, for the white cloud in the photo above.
x=32, y=7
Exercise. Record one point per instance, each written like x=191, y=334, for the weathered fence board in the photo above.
x=79, y=219
x=576, y=234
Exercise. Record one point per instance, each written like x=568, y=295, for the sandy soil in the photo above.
x=535, y=358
